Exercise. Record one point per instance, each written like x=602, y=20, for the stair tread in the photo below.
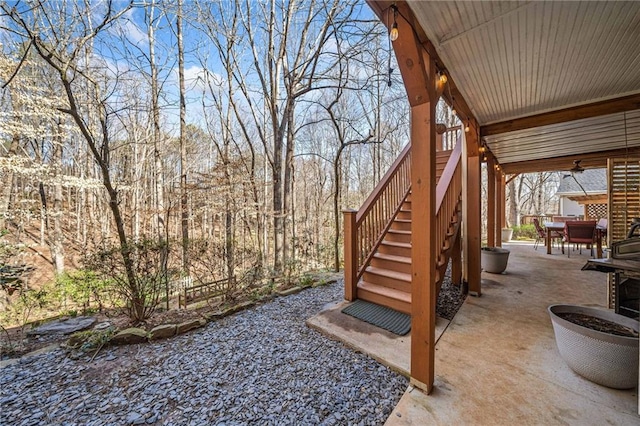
x=399, y=231
x=393, y=257
x=385, y=291
x=400, y=276
x=396, y=244
x=402, y=220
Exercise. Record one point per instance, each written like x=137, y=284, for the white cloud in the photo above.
x=126, y=26
x=198, y=79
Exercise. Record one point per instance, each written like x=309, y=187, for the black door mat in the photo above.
x=380, y=316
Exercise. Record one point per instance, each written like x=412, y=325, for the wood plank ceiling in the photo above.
x=518, y=59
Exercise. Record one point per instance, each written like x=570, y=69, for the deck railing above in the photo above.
x=449, y=138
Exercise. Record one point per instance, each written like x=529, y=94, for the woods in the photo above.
x=176, y=132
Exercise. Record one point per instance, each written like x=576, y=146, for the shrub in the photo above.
x=141, y=293
x=84, y=287
x=524, y=232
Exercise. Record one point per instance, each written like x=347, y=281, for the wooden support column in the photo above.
x=418, y=74
x=423, y=250
x=350, y=255
x=500, y=206
x=491, y=202
x=416, y=58
x=472, y=212
x=456, y=259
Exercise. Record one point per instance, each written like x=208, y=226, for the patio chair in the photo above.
x=541, y=233
x=602, y=227
x=580, y=232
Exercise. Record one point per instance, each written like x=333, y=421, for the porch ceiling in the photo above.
x=512, y=60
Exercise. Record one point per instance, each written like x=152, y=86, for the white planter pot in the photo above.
x=507, y=234
x=494, y=259
x=603, y=358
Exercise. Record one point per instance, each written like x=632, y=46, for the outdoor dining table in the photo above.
x=551, y=228
x=559, y=227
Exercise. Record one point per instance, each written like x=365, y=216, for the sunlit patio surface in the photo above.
x=497, y=361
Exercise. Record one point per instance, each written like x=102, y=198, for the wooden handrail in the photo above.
x=364, y=230
x=448, y=193
x=384, y=182
x=448, y=174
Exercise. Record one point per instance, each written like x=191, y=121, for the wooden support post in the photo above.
x=416, y=60
x=423, y=253
x=491, y=202
x=350, y=256
x=456, y=259
x=500, y=206
x=472, y=211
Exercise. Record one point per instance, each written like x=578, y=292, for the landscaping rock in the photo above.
x=129, y=336
x=183, y=327
x=76, y=340
x=245, y=305
x=260, y=366
x=289, y=291
x=230, y=311
x=162, y=331
x=64, y=326
x=103, y=326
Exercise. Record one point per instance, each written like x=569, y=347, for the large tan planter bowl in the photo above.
x=494, y=259
x=603, y=358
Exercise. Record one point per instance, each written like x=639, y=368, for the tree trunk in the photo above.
x=336, y=213
x=184, y=204
x=6, y=183
x=287, y=226
x=514, y=203
x=56, y=238
x=160, y=221
x=278, y=213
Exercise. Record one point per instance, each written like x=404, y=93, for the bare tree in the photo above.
x=61, y=50
x=184, y=205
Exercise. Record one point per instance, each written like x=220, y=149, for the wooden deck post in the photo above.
x=500, y=206
x=456, y=259
x=416, y=60
x=418, y=71
x=350, y=256
x=491, y=202
x=423, y=253
x=472, y=211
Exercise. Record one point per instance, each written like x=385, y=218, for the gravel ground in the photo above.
x=450, y=298
x=261, y=366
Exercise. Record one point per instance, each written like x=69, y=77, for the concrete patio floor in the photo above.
x=497, y=361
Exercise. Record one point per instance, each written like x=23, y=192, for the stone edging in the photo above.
x=134, y=335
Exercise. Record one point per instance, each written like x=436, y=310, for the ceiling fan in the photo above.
x=577, y=168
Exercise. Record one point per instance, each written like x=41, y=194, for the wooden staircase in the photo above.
x=387, y=279
x=385, y=273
